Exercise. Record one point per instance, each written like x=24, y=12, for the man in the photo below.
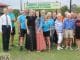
x=22, y=26
x=6, y=29
x=12, y=16
x=69, y=26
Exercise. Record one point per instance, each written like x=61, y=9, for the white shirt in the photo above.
x=59, y=26
x=4, y=22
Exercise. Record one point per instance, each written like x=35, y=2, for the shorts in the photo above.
x=23, y=32
x=13, y=29
x=68, y=34
x=46, y=34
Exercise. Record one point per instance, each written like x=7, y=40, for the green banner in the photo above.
x=43, y=5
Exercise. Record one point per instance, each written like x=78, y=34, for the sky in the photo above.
x=16, y=3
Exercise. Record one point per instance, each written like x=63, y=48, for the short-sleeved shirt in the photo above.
x=69, y=24
x=22, y=20
x=52, y=24
x=31, y=20
x=12, y=16
x=59, y=26
x=46, y=26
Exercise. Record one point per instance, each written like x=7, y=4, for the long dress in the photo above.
x=30, y=43
x=41, y=44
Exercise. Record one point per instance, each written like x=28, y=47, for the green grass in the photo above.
x=15, y=54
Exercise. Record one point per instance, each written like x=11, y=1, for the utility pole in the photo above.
x=21, y=5
x=70, y=5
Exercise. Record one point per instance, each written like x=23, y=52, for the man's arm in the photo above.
x=18, y=24
x=27, y=27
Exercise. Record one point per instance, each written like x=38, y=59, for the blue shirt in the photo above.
x=59, y=26
x=46, y=26
x=37, y=23
x=41, y=22
x=22, y=20
x=69, y=24
x=12, y=16
x=52, y=24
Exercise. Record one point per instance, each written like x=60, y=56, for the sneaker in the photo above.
x=38, y=51
x=66, y=47
x=71, y=48
x=58, y=48
x=61, y=48
x=77, y=49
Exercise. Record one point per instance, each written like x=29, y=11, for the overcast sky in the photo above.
x=16, y=3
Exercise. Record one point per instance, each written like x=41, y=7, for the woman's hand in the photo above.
x=28, y=32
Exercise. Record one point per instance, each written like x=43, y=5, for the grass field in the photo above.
x=16, y=54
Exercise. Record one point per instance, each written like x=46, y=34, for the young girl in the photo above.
x=46, y=31
x=41, y=45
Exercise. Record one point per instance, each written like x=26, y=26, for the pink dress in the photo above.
x=41, y=44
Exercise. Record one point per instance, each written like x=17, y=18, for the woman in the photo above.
x=52, y=30
x=77, y=32
x=31, y=38
x=41, y=45
x=46, y=31
x=59, y=30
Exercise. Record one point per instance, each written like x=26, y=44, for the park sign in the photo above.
x=54, y=5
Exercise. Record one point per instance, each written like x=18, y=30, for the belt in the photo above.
x=5, y=25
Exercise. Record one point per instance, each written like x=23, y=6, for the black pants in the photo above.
x=52, y=37
x=5, y=37
x=55, y=37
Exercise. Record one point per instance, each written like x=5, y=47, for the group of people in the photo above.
x=40, y=30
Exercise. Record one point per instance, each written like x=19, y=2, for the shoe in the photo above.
x=61, y=48
x=58, y=48
x=38, y=51
x=66, y=47
x=77, y=49
x=71, y=48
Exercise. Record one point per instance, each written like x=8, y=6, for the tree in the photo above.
x=64, y=9
x=16, y=12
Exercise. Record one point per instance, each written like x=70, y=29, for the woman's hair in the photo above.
x=39, y=13
x=49, y=15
